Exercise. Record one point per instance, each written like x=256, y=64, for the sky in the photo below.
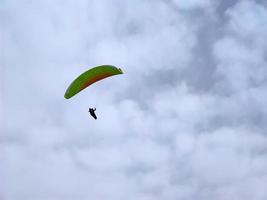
x=186, y=120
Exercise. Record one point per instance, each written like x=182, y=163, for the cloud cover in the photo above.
x=185, y=121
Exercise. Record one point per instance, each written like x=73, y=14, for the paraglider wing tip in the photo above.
x=120, y=70
x=66, y=96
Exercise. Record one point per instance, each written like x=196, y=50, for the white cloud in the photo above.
x=241, y=51
x=191, y=4
x=156, y=137
x=247, y=19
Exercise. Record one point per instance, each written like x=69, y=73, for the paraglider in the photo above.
x=88, y=78
x=92, y=112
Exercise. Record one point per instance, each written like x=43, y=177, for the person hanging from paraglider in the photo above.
x=88, y=78
x=92, y=112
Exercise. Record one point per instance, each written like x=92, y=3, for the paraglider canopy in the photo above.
x=89, y=77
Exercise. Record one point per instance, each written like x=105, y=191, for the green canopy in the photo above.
x=89, y=77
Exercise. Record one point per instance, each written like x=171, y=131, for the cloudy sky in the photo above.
x=186, y=121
